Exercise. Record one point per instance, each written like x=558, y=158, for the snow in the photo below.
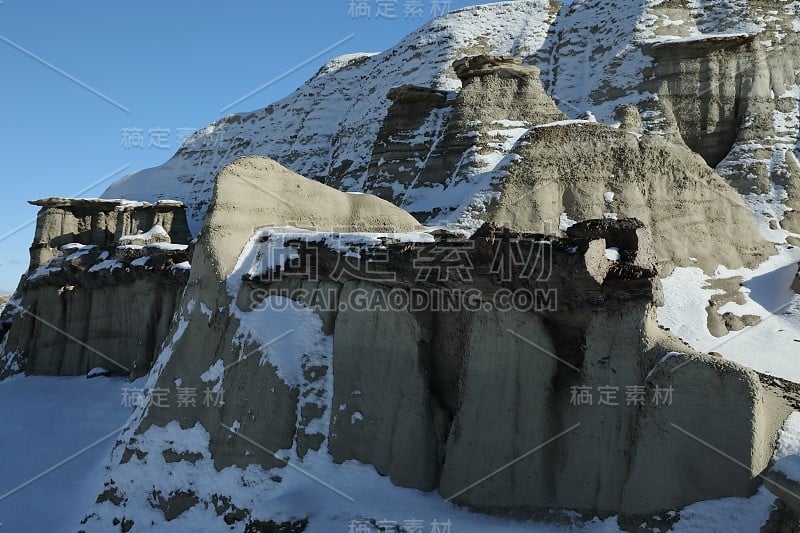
x=697, y=37
x=787, y=454
x=564, y=222
x=340, y=494
x=663, y=360
x=609, y=197
x=129, y=204
x=343, y=61
x=769, y=207
x=214, y=375
x=612, y=254
x=166, y=247
x=74, y=250
x=61, y=416
x=591, y=55
x=108, y=264
x=282, y=328
x=75, y=247
x=96, y=372
x=564, y=123
x=274, y=253
x=42, y=272
x=140, y=262
x=767, y=294
x=789, y=438
x=730, y=515
x=152, y=233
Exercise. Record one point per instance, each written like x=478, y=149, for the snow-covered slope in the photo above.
x=593, y=55
x=57, y=436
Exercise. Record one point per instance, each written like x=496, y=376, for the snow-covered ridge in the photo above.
x=268, y=250
x=314, y=134
x=592, y=55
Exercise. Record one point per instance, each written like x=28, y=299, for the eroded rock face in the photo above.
x=503, y=139
x=719, y=67
x=387, y=414
x=575, y=169
x=120, y=343
x=470, y=67
x=589, y=467
x=103, y=223
x=456, y=141
x=439, y=397
x=557, y=169
x=100, y=295
x=719, y=76
x=517, y=376
x=252, y=193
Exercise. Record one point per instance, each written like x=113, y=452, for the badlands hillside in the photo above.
x=534, y=268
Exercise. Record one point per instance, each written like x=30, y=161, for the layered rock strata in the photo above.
x=63, y=221
x=102, y=294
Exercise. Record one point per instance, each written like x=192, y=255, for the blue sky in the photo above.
x=82, y=79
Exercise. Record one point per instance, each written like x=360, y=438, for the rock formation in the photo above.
x=664, y=184
x=251, y=193
x=416, y=392
x=103, y=223
x=106, y=274
x=570, y=156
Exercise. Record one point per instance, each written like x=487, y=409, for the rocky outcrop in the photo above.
x=720, y=77
x=556, y=170
x=100, y=295
x=582, y=171
x=251, y=193
x=507, y=123
x=103, y=223
x=503, y=141
x=712, y=64
x=461, y=141
x=115, y=254
x=439, y=395
x=796, y=283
